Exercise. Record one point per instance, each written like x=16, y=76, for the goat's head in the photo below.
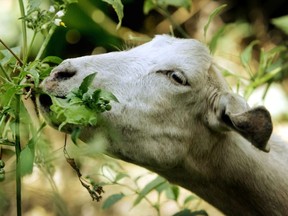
x=172, y=101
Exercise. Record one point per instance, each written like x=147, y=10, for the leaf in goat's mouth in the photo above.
x=82, y=105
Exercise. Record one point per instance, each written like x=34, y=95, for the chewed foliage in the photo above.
x=82, y=106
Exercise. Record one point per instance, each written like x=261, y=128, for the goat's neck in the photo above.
x=236, y=178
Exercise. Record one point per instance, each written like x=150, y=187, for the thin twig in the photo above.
x=11, y=51
x=94, y=190
x=24, y=31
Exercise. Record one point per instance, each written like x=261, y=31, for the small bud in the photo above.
x=60, y=13
x=57, y=22
x=51, y=9
x=62, y=24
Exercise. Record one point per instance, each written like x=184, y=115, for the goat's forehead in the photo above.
x=166, y=43
x=162, y=53
x=165, y=49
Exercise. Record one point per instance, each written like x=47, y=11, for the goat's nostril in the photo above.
x=64, y=75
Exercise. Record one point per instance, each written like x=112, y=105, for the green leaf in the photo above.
x=118, y=7
x=107, y=95
x=52, y=59
x=189, y=199
x=148, y=6
x=215, y=38
x=75, y=134
x=120, y=176
x=281, y=23
x=10, y=89
x=34, y=73
x=87, y=81
x=6, y=57
x=163, y=187
x=27, y=155
x=67, y=113
x=173, y=192
x=111, y=200
x=246, y=55
x=212, y=16
x=148, y=188
x=26, y=160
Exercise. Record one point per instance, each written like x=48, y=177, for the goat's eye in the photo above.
x=177, y=77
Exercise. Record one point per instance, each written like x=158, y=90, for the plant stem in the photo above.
x=5, y=74
x=17, y=115
x=24, y=30
x=45, y=42
x=18, y=151
x=31, y=43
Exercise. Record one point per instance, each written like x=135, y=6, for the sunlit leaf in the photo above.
x=75, y=134
x=7, y=57
x=189, y=199
x=281, y=23
x=163, y=187
x=111, y=200
x=212, y=16
x=120, y=176
x=9, y=90
x=148, y=6
x=34, y=73
x=246, y=55
x=148, y=188
x=173, y=192
x=118, y=7
x=215, y=39
x=27, y=159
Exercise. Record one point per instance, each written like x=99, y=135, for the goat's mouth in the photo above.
x=45, y=102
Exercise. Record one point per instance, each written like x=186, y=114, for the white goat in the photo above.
x=177, y=116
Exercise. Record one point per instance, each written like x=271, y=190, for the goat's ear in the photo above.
x=254, y=124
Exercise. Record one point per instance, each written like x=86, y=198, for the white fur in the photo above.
x=179, y=130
